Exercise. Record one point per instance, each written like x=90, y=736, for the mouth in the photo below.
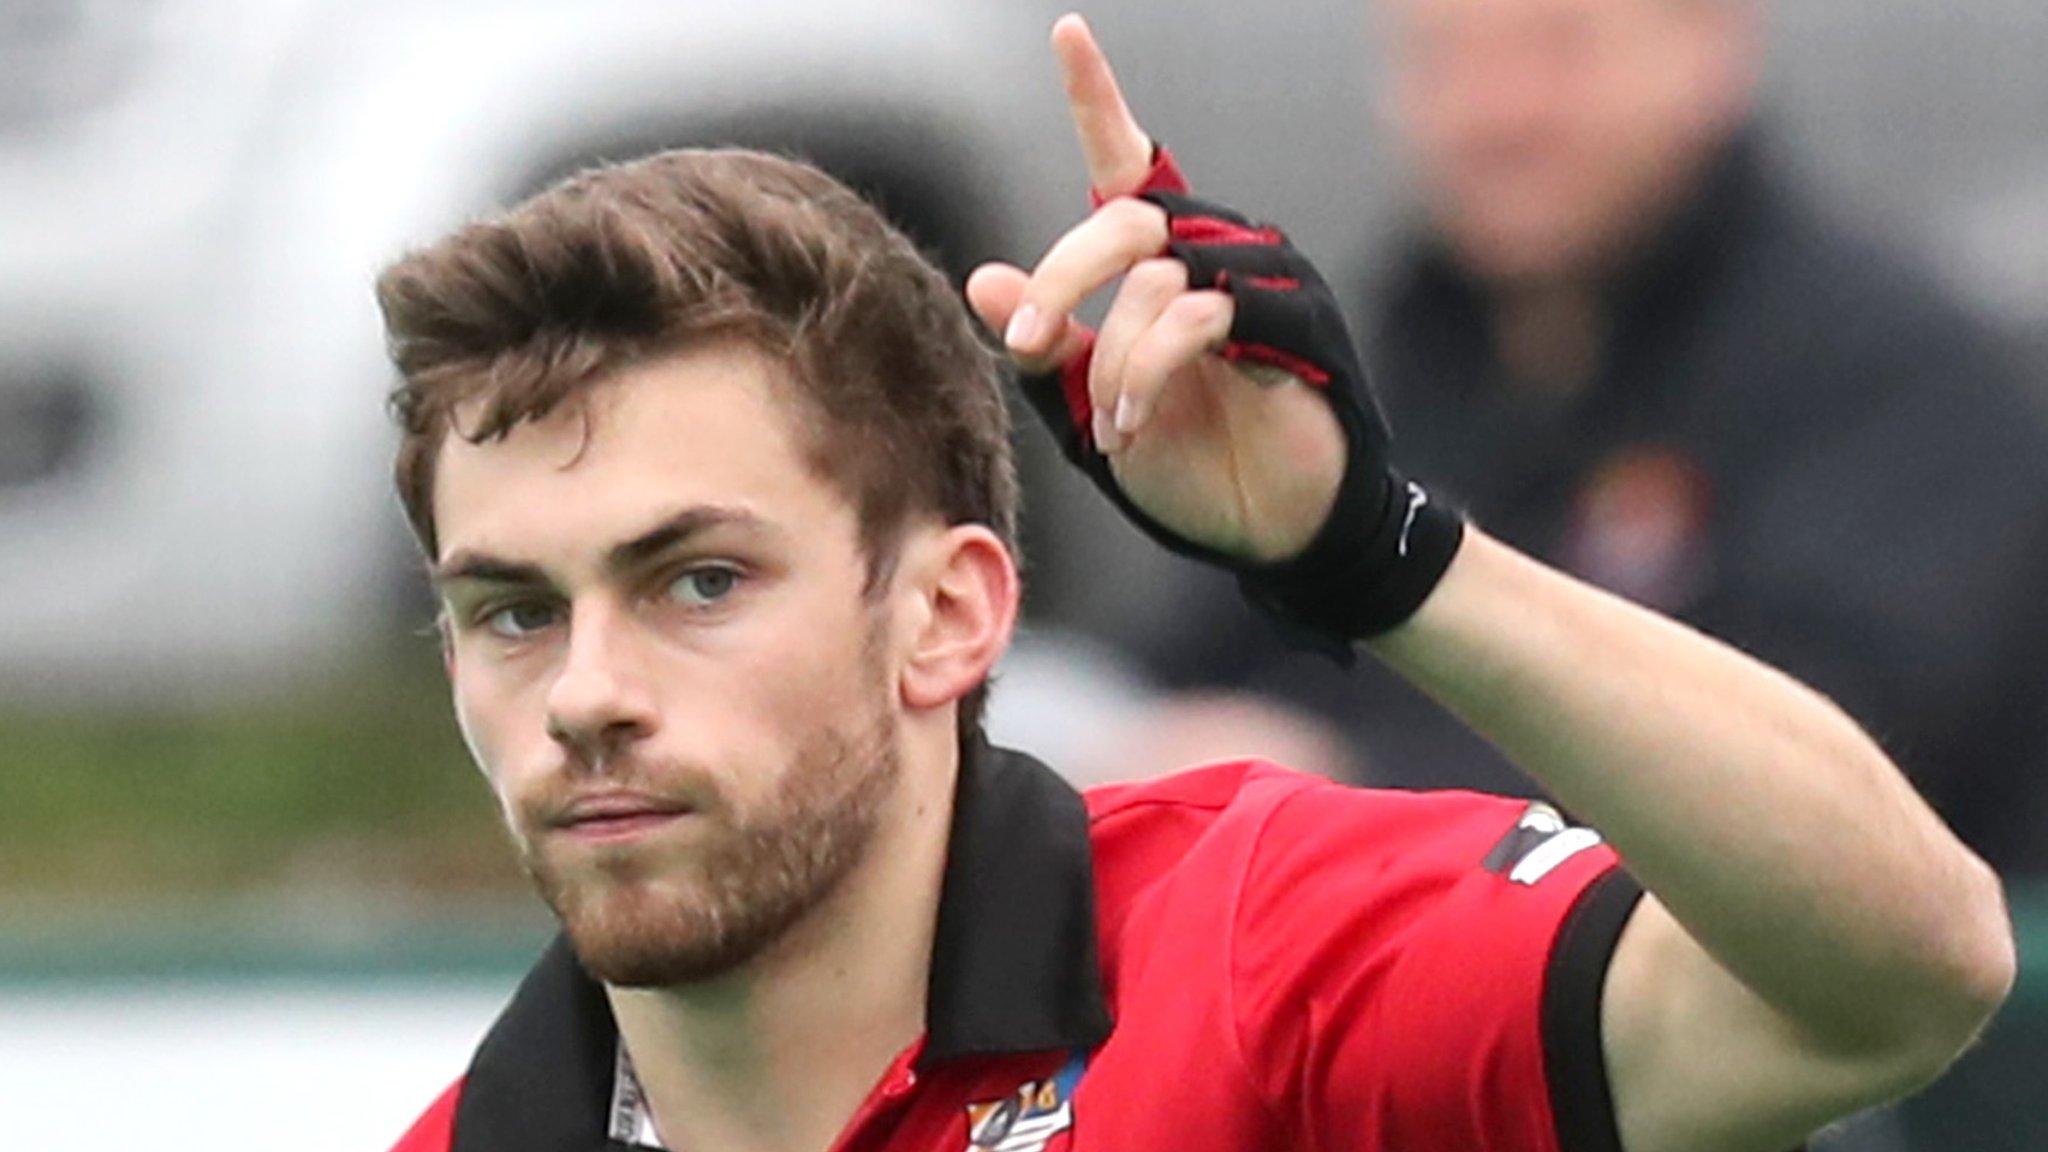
x=618, y=816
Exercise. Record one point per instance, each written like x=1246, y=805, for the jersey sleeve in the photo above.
x=434, y=1131
x=1419, y=971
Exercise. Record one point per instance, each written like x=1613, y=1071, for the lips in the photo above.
x=616, y=815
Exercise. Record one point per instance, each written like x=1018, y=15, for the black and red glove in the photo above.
x=1387, y=541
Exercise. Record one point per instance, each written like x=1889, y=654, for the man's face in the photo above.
x=663, y=660
x=1548, y=134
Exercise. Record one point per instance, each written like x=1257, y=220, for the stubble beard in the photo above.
x=647, y=919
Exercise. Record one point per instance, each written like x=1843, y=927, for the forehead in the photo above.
x=714, y=425
x=1507, y=16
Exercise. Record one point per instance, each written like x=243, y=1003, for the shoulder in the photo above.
x=1266, y=825
x=1381, y=962
x=1879, y=299
x=1203, y=788
x=1406, y=851
x=1227, y=798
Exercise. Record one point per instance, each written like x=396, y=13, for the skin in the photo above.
x=1814, y=941
x=690, y=687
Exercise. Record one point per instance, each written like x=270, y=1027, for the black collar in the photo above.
x=1014, y=969
x=1014, y=965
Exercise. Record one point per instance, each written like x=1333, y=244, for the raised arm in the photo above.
x=1815, y=940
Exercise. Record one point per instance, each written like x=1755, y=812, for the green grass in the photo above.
x=358, y=778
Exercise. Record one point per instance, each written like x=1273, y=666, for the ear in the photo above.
x=967, y=589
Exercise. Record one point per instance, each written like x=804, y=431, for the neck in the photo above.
x=777, y=1055
x=1552, y=339
x=1553, y=330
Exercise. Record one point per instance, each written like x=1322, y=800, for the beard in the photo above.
x=664, y=914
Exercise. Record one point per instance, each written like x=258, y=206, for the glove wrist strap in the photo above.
x=1385, y=546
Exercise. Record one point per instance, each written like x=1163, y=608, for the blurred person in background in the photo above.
x=1628, y=343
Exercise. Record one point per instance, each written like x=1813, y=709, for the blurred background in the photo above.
x=1757, y=300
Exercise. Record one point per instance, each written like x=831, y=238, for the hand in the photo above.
x=1222, y=407
x=1235, y=457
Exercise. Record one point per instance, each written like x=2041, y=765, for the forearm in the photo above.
x=1775, y=831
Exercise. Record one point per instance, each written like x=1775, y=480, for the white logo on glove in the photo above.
x=1416, y=499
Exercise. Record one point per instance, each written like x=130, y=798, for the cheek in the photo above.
x=481, y=735
x=475, y=733
x=814, y=687
x=1652, y=89
x=491, y=719
x=813, y=678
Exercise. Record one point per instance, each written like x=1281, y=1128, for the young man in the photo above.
x=711, y=470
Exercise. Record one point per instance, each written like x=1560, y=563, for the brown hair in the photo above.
x=509, y=318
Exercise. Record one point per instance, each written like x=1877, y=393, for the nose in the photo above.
x=599, y=703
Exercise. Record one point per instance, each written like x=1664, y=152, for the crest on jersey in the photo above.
x=1026, y=1119
x=1537, y=844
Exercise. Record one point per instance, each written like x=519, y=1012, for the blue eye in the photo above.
x=702, y=587
x=520, y=620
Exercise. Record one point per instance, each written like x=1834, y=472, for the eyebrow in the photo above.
x=678, y=529
x=672, y=531
x=485, y=569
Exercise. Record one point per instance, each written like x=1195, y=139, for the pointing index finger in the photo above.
x=1117, y=150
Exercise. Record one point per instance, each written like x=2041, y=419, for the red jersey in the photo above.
x=1236, y=958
